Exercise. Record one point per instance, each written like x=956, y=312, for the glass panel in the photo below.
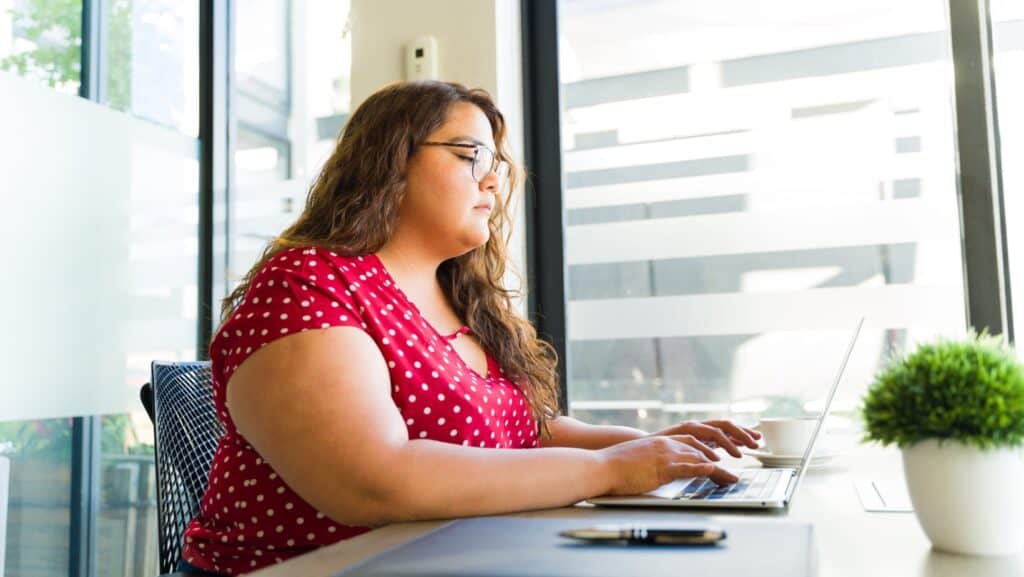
x=259, y=159
x=742, y=182
x=110, y=284
x=1008, y=42
x=38, y=508
x=285, y=130
x=152, y=66
x=127, y=529
x=38, y=454
x=261, y=48
x=262, y=150
x=326, y=92
x=42, y=40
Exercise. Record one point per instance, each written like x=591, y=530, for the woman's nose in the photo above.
x=489, y=182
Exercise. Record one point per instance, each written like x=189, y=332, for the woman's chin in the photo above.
x=476, y=238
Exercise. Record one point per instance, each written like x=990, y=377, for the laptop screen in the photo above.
x=806, y=460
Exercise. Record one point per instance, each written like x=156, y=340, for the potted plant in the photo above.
x=956, y=409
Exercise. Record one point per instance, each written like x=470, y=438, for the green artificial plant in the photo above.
x=969, y=390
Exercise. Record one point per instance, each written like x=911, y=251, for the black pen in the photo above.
x=640, y=534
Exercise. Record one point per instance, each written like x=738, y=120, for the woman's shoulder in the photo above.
x=296, y=290
x=308, y=260
x=308, y=274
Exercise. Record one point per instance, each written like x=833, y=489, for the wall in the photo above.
x=478, y=45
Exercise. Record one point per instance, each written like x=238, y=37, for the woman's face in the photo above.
x=443, y=204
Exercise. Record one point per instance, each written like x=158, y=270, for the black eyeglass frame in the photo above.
x=496, y=164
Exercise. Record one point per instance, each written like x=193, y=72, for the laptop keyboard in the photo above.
x=752, y=484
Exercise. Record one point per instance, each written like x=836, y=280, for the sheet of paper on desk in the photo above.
x=531, y=547
x=884, y=496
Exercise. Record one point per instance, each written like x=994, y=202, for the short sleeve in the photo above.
x=296, y=291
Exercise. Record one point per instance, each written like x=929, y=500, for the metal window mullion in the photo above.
x=92, y=80
x=289, y=84
x=986, y=265
x=86, y=430
x=90, y=50
x=85, y=495
x=214, y=166
x=545, y=228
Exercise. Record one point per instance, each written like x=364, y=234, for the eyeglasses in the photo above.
x=484, y=160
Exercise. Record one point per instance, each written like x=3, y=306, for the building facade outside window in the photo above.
x=742, y=182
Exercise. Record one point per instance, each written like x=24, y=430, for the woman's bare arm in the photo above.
x=569, y=432
x=317, y=407
x=723, y=434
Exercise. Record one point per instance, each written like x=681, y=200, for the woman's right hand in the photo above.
x=641, y=465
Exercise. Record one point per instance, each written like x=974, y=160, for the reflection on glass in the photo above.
x=38, y=509
x=264, y=202
x=1008, y=60
x=39, y=502
x=742, y=182
x=114, y=288
x=260, y=160
x=292, y=66
x=127, y=530
x=261, y=40
x=149, y=64
x=262, y=150
x=152, y=61
x=42, y=40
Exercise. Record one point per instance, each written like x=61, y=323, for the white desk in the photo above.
x=851, y=542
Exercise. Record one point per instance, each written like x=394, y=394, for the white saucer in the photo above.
x=822, y=456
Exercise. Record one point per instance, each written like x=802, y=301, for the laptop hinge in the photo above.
x=788, y=491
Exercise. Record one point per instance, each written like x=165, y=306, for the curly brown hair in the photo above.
x=352, y=209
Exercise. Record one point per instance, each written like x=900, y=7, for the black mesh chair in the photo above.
x=180, y=403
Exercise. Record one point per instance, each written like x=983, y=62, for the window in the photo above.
x=39, y=501
x=292, y=67
x=42, y=46
x=1008, y=43
x=114, y=270
x=742, y=182
x=42, y=40
x=127, y=526
x=152, y=61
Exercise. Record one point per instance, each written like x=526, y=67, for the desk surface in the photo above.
x=850, y=541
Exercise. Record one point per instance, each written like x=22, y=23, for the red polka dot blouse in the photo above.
x=249, y=518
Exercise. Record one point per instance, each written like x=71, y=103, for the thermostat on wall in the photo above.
x=421, y=59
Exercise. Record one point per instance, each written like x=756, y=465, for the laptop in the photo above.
x=757, y=488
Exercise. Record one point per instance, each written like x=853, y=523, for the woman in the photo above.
x=371, y=369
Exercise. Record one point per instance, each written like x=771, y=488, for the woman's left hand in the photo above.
x=716, y=434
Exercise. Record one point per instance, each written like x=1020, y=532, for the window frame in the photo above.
x=214, y=165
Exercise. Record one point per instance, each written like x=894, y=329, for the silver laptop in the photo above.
x=759, y=488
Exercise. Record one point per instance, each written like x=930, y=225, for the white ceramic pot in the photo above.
x=967, y=500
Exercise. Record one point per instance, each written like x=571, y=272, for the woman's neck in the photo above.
x=415, y=271
x=412, y=267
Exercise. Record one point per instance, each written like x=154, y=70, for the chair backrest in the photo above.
x=187, y=432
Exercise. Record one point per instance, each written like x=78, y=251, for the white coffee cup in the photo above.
x=787, y=435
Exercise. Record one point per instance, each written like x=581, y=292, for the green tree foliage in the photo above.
x=55, y=27
x=45, y=439
x=119, y=55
